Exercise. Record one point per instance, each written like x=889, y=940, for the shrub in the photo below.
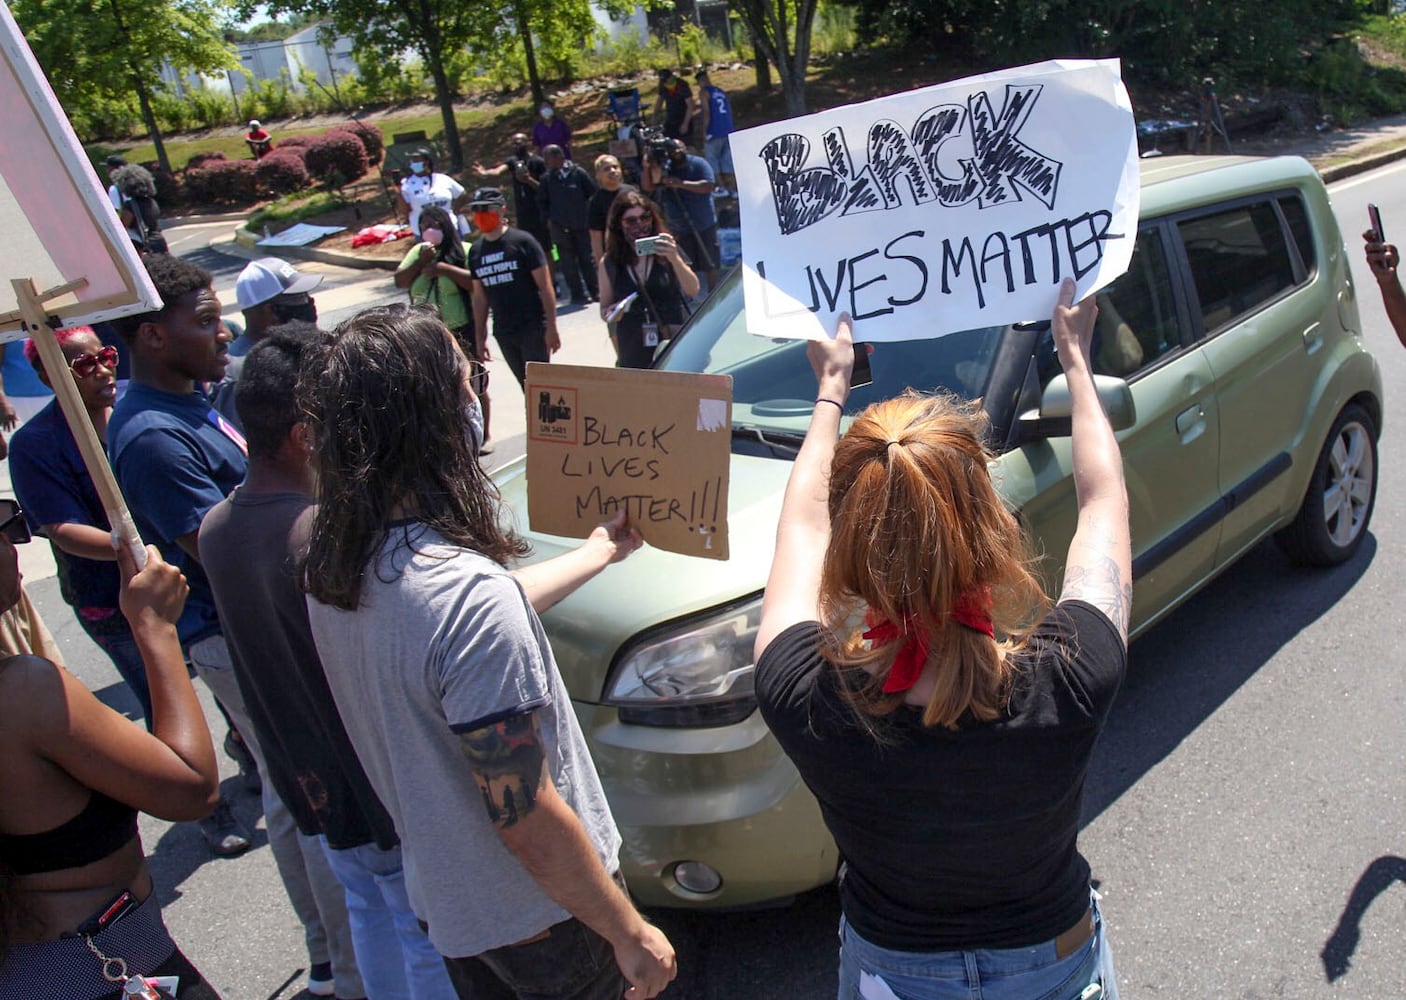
x=281, y=172
x=204, y=159
x=222, y=182
x=165, y=180
x=369, y=136
x=336, y=158
x=294, y=141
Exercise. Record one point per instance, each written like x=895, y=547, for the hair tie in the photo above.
x=890, y=445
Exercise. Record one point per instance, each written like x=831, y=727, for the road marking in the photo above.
x=1368, y=176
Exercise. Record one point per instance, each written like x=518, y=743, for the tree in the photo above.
x=549, y=34
x=432, y=29
x=100, y=52
x=780, y=31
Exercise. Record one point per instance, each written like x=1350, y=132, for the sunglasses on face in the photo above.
x=85, y=365
x=12, y=522
x=635, y=221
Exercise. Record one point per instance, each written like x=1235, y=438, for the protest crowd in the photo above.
x=306, y=549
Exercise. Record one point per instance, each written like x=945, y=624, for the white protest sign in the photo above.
x=59, y=226
x=948, y=208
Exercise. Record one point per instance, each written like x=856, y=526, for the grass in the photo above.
x=294, y=208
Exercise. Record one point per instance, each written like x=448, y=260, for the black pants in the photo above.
x=577, y=264
x=569, y=962
x=520, y=344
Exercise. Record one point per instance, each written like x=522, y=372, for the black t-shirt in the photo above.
x=963, y=839
x=246, y=549
x=505, y=267
x=598, y=208
x=675, y=108
x=529, y=215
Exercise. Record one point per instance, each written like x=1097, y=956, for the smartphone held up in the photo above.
x=1375, y=215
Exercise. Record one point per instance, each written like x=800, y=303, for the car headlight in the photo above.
x=693, y=673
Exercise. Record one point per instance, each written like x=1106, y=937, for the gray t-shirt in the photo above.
x=444, y=641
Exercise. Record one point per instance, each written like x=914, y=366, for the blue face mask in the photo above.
x=418, y=168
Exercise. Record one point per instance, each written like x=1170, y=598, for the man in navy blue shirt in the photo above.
x=175, y=458
x=683, y=187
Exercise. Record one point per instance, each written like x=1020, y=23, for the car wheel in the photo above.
x=1333, y=519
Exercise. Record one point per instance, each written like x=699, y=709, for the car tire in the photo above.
x=1332, y=521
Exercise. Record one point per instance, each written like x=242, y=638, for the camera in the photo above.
x=657, y=145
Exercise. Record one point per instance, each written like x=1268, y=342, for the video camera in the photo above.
x=657, y=145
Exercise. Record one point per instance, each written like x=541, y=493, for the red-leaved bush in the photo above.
x=202, y=159
x=281, y=172
x=369, y=135
x=221, y=182
x=336, y=158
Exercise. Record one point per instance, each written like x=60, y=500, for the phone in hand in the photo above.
x=861, y=374
x=1375, y=215
x=646, y=245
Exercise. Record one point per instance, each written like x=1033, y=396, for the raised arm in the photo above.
x=171, y=772
x=686, y=277
x=1382, y=259
x=803, y=531
x=1099, y=566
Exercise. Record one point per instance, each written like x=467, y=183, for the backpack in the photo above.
x=138, y=189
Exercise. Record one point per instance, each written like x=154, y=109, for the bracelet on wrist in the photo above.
x=835, y=403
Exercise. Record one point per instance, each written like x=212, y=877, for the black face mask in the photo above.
x=306, y=311
x=521, y=151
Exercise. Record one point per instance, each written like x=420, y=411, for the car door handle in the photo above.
x=1193, y=418
x=1313, y=339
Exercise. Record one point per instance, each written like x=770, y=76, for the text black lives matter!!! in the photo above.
x=902, y=170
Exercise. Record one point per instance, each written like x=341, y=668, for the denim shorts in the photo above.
x=1034, y=973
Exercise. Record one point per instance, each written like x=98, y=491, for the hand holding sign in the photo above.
x=645, y=448
x=953, y=207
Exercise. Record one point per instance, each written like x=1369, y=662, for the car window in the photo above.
x=772, y=383
x=1296, y=215
x=1239, y=260
x=1138, y=321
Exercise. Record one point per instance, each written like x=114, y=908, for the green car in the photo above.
x=1232, y=367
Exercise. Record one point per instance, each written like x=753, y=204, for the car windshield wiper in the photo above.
x=780, y=442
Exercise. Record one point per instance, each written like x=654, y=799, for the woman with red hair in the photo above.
x=947, y=739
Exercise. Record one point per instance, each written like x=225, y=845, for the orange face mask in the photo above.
x=486, y=221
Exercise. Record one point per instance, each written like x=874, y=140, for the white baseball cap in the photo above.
x=268, y=278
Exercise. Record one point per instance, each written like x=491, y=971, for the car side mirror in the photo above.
x=1053, y=417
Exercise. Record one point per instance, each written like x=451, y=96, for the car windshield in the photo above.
x=773, y=388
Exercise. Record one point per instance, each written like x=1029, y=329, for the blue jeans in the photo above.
x=394, y=954
x=1034, y=973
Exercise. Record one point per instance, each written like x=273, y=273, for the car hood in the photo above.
x=651, y=587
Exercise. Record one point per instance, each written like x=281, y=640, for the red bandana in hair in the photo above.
x=972, y=610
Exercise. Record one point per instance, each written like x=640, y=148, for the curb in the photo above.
x=248, y=240
x=1341, y=170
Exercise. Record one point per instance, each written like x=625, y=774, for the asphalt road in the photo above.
x=1244, y=813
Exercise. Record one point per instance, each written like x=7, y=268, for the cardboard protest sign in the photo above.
x=949, y=208
x=657, y=444
x=60, y=228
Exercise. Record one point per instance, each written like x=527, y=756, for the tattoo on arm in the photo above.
x=1102, y=585
x=508, y=765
